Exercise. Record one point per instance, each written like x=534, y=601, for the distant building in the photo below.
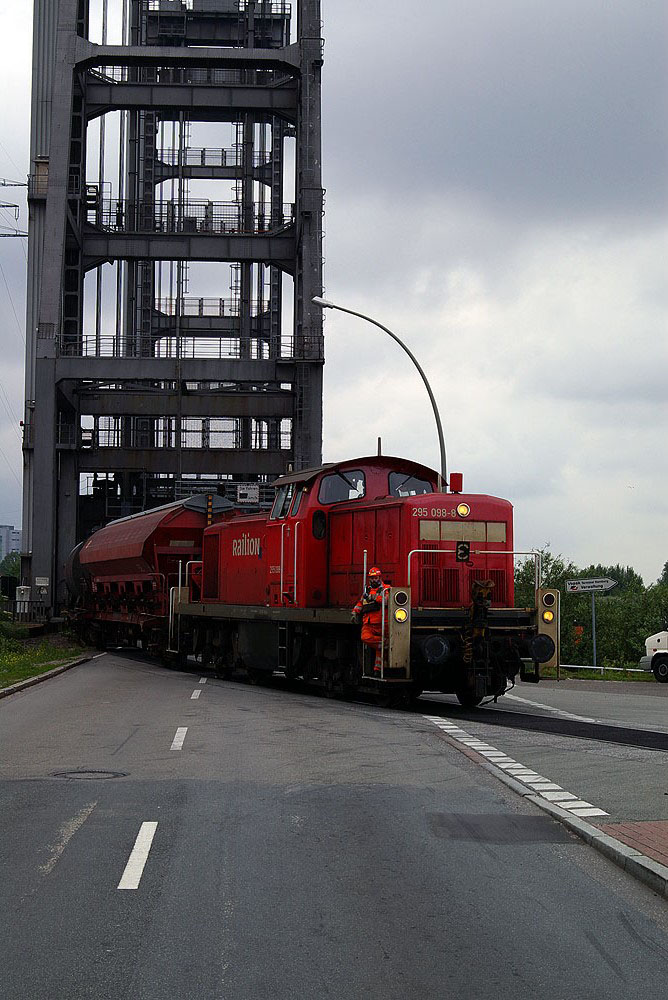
x=10, y=540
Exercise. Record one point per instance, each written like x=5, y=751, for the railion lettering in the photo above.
x=246, y=546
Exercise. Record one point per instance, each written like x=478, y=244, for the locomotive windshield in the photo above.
x=348, y=485
x=402, y=485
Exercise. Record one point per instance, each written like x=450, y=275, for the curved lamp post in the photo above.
x=326, y=304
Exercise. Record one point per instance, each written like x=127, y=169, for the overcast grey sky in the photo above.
x=496, y=177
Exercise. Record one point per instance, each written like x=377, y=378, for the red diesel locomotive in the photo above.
x=273, y=591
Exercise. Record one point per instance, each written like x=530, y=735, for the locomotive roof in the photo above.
x=375, y=461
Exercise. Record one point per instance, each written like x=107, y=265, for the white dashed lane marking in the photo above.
x=177, y=742
x=202, y=680
x=196, y=693
x=138, y=857
x=536, y=782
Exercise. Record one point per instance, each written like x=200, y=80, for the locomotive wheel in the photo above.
x=260, y=678
x=328, y=686
x=413, y=696
x=331, y=681
x=467, y=699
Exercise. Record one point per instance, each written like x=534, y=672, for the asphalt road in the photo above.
x=298, y=848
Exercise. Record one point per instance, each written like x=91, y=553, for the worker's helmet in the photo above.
x=375, y=574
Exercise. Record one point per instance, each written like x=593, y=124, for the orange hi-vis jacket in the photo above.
x=370, y=607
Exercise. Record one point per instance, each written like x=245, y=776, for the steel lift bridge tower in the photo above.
x=175, y=244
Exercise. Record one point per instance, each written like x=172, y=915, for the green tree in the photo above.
x=626, y=577
x=664, y=574
x=625, y=616
x=11, y=565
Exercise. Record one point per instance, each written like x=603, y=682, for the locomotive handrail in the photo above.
x=482, y=552
x=170, y=626
x=382, y=636
x=192, y=562
x=294, y=576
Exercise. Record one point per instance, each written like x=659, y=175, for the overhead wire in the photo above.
x=14, y=421
x=10, y=467
x=9, y=157
x=11, y=300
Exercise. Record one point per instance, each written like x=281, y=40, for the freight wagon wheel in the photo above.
x=660, y=669
x=221, y=668
x=96, y=637
x=174, y=661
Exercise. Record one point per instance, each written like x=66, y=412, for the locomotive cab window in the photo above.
x=296, y=503
x=340, y=486
x=282, y=501
x=403, y=485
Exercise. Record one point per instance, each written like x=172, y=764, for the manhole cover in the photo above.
x=85, y=775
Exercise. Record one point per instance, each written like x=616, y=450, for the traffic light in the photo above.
x=547, y=639
x=463, y=551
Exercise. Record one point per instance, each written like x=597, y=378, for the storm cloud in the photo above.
x=496, y=180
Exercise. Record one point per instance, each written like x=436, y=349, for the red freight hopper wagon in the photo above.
x=121, y=578
x=275, y=591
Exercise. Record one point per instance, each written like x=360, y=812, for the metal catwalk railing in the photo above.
x=206, y=307
x=218, y=217
x=203, y=156
x=262, y=7
x=196, y=76
x=186, y=348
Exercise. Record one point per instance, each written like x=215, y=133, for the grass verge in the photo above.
x=21, y=657
x=596, y=675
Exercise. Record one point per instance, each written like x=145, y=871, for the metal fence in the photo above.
x=26, y=612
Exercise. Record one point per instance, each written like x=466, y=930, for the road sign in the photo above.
x=590, y=586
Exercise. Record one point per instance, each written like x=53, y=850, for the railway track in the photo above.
x=647, y=739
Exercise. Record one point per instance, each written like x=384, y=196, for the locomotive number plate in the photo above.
x=435, y=512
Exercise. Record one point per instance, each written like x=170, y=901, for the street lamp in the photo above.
x=326, y=304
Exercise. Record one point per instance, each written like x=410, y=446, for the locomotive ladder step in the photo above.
x=282, y=646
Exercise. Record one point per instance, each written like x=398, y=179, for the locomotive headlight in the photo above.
x=463, y=509
x=548, y=617
x=400, y=615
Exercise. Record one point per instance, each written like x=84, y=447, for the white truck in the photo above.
x=656, y=656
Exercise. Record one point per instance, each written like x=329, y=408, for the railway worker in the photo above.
x=369, y=609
